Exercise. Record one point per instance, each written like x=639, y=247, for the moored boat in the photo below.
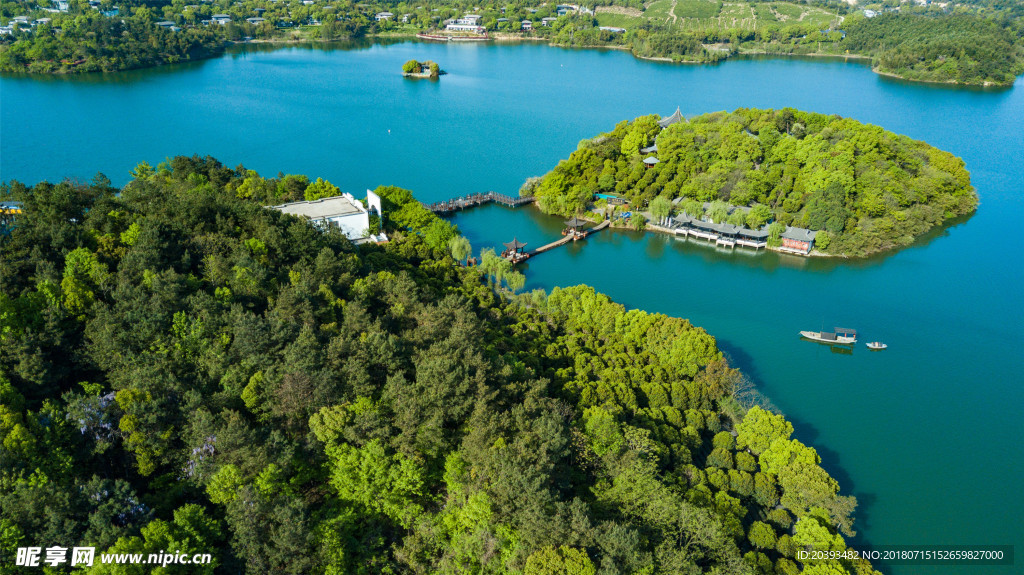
x=841, y=336
x=876, y=345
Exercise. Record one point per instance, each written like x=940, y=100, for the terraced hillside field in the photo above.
x=711, y=15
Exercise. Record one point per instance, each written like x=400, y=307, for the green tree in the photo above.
x=822, y=240
x=640, y=133
x=191, y=532
x=411, y=67
x=724, y=440
x=775, y=230
x=661, y=207
x=388, y=484
x=759, y=428
x=693, y=208
x=460, y=248
x=718, y=211
x=562, y=561
x=83, y=275
x=758, y=216
x=224, y=484
x=762, y=536
x=515, y=281
x=320, y=189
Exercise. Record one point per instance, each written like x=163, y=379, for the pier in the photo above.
x=515, y=251
x=472, y=200
x=570, y=237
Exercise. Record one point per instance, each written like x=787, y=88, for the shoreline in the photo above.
x=985, y=84
x=663, y=230
x=504, y=37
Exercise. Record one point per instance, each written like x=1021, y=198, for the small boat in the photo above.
x=877, y=345
x=840, y=336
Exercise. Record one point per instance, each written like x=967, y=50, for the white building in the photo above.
x=221, y=19
x=381, y=16
x=456, y=27
x=343, y=212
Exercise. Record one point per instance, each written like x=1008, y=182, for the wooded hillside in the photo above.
x=184, y=369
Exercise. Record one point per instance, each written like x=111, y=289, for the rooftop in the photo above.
x=673, y=119
x=324, y=208
x=515, y=244
x=799, y=234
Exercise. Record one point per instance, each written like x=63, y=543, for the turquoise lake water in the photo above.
x=926, y=434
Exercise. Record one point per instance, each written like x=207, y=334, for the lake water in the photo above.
x=926, y=434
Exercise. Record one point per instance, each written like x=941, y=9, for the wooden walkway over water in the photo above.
x=515, y=256
x=570, y=238
x=471, y=200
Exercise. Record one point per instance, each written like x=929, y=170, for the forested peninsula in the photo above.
x=973, y=42
x=184, y=369
x=861, y=188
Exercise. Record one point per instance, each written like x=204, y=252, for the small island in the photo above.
x=425, y=69
x=781, y=179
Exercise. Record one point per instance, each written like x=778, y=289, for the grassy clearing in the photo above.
x=619, y=20
x=821, y=18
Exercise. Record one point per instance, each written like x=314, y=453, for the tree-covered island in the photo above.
x=968, y=42
x=425, y=69
x=183, y=369
x=861, y=188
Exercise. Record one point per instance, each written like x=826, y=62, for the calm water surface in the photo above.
x=926, y=434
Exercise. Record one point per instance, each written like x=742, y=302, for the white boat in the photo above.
x=876, y=345
x=840, y=336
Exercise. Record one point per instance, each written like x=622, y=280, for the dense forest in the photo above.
x=956, y=48
x=864, y=189
x=184, y=369
x=978, y=42
x=92, y=42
